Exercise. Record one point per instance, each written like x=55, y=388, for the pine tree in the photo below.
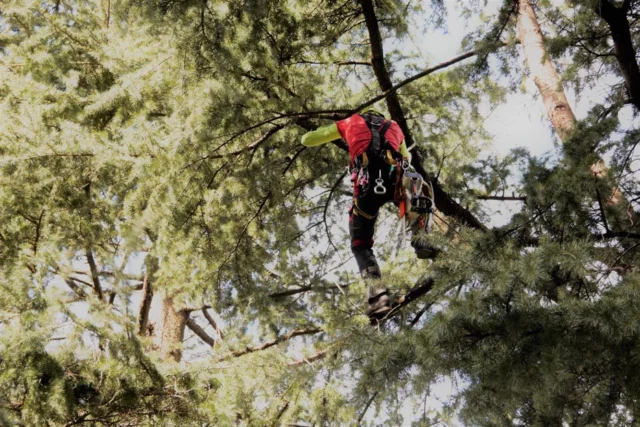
x=150, y=163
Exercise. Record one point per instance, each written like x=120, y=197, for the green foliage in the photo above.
x=156, y=143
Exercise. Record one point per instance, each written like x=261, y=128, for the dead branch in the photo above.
x=196, y=329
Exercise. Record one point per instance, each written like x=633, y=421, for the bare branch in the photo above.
x=303, y=289
x=422, y=74
x=366, y=408
x=251, y=146
x=268, y=344
x=200, y=332
x=94, y=274
x=212, y=322
x=503, y=198
x=307, y=360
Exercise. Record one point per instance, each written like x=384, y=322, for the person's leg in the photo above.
x=361, y=228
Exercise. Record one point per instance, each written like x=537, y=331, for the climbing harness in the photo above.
x=378, y=127
x=413, y=195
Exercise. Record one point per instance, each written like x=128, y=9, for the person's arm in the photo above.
x=320, y=136
x=405, y=153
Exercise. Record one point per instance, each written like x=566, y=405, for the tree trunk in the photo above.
x=544, y=75
x=616, y=18
x=548, y=82
x=172, y=331
x=444, y=202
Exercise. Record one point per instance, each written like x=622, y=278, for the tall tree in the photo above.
x=154, y=190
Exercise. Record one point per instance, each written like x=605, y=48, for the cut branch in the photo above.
x=422, y=288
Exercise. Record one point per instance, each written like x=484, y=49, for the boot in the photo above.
x=379, y=304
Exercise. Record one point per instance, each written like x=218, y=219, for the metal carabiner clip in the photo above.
x=380, y=188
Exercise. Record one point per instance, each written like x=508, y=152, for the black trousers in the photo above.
x=363, y=214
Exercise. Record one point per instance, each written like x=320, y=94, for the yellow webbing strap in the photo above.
x=358, y=211
x=365, y=160
x=389, y=158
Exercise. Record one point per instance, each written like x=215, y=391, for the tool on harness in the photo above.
x=418, y=202
x=416, y=207
x=380, y=188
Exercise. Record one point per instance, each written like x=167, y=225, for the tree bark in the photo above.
x=544, y=74
x=172, y=332
x=616, y=18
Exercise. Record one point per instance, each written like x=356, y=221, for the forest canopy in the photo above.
x=170, y=254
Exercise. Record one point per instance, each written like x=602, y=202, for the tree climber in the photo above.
x=378, y=154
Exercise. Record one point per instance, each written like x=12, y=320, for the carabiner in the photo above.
x=380, y=188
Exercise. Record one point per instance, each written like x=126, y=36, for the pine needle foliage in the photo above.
x=150, y=154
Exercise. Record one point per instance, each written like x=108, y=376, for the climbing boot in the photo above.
x=379, y=304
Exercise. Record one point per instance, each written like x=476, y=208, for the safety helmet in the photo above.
x=371, y=110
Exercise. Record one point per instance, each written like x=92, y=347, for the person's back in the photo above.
x=378, y=158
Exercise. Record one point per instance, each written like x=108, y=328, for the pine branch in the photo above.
x=268, y=344
x=244, y=230
x=422, y=74
x=326, y=208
